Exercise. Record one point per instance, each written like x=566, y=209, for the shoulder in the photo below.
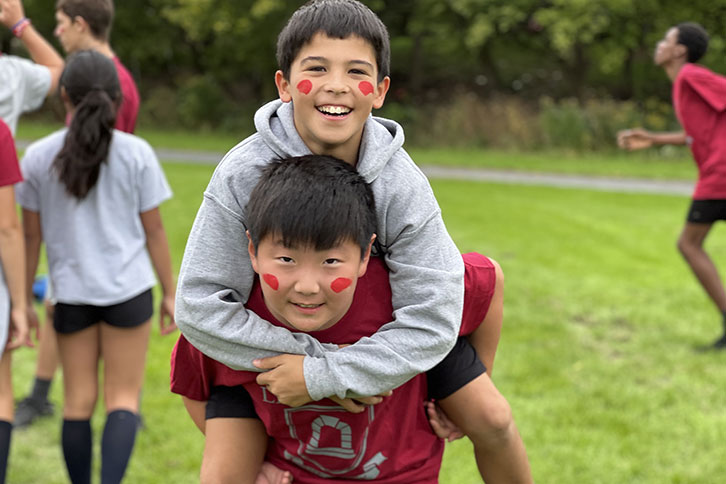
x=238, y=172
x=40, y=154
x=126, y=143
x=244, y=159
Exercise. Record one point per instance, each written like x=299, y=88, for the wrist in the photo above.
x=19, y=27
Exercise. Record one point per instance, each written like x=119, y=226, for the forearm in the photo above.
x=44, y=54
x=669, y=138
x=32, y=257
x=12, y=256
x=158, y=247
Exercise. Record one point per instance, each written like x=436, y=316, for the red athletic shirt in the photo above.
x=129, y=110
x=9, y=168
x=391, y=442
x=126, y=117
x=699, y=100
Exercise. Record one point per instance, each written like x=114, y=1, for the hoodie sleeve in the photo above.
x=214, y=283
x=427, y=281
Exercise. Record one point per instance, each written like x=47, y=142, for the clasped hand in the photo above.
x=285, y=379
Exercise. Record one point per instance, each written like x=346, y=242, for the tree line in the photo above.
x=198, y=60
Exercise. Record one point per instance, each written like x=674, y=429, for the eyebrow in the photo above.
x=315, y=58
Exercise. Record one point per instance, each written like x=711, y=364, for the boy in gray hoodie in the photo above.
x=334, y=60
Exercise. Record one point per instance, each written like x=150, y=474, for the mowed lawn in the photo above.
x=598, y=356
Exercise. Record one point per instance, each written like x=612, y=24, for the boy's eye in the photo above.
x=316, y=69
x=285, y=259
x=358, y=72
x=332, y=261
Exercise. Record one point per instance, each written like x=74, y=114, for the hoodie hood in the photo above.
x=382, y=138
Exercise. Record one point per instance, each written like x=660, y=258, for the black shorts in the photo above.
x=230, y=402
x=706, y=211
x=69, y=318
x=459, y=367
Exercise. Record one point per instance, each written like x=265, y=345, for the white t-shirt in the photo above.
x=96, y=247
x=23, y=87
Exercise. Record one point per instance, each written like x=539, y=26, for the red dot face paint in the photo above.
x=365, y=87
x=340, y=284
x=305, y=86
x=271, y=281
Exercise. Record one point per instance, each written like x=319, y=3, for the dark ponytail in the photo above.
x=91, y=84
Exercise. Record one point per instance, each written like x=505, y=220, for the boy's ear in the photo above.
x=366, y=258
x=81, y=24
x=252, y=251
x=283, y=87
x=381, y=90
x=681, y=50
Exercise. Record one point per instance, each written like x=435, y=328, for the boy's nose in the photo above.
x=336, y=84
x=306, y=284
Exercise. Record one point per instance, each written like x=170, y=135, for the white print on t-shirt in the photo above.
x=307, y=425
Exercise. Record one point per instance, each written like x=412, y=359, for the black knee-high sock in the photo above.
x=119, y=435
x=77, y=444
x=6, y=429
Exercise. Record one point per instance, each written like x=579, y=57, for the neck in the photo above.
x=100, y=46
x=673, y=68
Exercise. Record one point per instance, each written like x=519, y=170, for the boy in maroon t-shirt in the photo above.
x=80, y=25
x=699, y=100
x=310, y=245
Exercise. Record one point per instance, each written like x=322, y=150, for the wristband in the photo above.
x=20, y=27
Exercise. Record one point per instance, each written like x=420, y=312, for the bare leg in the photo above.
x=6, y=388
x=485, y=338
x=47, y=347
x=484, y=415
x=79, y=354
x=234, y=450
x=124, y=357
x=690, y=244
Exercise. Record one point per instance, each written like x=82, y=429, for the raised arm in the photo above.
x=12, y=15
x=638, y=139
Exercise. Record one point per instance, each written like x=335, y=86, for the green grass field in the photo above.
x=598, y=354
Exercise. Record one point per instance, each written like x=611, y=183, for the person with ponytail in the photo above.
x=92, y=194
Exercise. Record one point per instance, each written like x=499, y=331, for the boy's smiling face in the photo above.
x=333, y=87
x=304, y=288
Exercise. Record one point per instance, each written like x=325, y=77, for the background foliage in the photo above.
x=537, y=65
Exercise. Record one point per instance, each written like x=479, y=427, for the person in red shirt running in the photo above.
x=80, y=25
x=699, y=100
x=13, y=322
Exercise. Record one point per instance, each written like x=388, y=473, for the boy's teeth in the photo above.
x=334, y=110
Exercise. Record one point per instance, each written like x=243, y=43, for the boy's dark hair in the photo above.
x=91, y=83
x=337, y=19
x=695, y=38
x=98, y=14
x=312, y=200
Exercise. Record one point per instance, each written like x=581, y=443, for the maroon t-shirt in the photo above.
x=391, y=442
x=699, y=100
x=126, y=117
x=9, y=168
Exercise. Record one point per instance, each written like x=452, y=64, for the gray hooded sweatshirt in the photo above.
x=426, y=269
